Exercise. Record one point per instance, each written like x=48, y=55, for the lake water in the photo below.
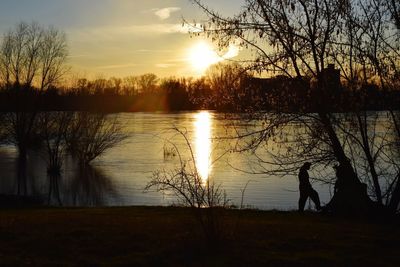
x=118, y=178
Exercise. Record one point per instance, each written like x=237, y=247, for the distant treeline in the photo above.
x=223, y=88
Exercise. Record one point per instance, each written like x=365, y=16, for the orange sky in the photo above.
x=125, y=37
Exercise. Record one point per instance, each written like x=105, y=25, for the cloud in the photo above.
x=233, y=51
x=165, y=13
x=156, y=28
x=113, y=33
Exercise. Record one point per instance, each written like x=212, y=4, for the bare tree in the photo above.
x=54, y=126
x=228, y=85
x=299, y=39
x=371, y=44
x=130, y=85
x=32, y=55
x=53, y=55
x=91, y=134
x=147, y=83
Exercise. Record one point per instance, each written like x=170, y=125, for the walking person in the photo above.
x=306, y=189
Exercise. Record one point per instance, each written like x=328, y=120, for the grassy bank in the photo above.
x=169, y=236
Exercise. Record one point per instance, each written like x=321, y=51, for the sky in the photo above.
x=126, y=37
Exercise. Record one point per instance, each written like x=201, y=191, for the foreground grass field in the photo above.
x=170, y=237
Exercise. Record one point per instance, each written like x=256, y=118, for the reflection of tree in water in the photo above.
x=76, y=186
x=53, y=195
x=27, y=167
x=7, y=172
x=89, y=187
x=18, y=178
x=22, y=187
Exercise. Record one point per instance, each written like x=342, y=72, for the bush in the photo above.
x=207, y=199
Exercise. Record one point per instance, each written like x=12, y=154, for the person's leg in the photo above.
x=315, y=198
x=302, y=200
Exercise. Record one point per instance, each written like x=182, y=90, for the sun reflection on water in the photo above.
x=203, y=143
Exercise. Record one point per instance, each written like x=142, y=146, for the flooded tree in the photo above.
x=31, y=61
x=91, y=134
x=31, y=57
x=301, y=40
x=54, y=126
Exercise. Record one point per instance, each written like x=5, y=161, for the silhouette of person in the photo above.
x=306, y=189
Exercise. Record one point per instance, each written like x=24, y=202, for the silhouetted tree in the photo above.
x=175, y=91
x=30, y=56
x=228, y=83
x=130, y=85
x=147, y=83
x=367, y=53
x=53, y=128
x=299, y=39
x=200, y=94
x=91, y=134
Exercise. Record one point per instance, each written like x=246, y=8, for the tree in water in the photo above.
x=91, y=134
x=32, y=60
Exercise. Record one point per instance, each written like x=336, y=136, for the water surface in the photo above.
x=119, y=176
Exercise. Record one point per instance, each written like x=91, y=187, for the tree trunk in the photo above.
x=350, y=197
x=395, y=199
x=22, y=187
x=370, y=160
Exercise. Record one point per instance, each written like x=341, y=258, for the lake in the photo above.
x=118, y=177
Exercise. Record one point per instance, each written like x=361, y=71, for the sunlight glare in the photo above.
x=202, y=55
x=203, y=144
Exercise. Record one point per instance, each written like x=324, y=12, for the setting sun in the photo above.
x=201, y=56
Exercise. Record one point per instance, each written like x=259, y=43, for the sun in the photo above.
x=202, y=56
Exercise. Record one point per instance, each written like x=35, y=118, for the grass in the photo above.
x=155, y=236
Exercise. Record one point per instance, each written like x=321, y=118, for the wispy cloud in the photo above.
x=157, y=28
x=165, y=13
x=143, y=29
